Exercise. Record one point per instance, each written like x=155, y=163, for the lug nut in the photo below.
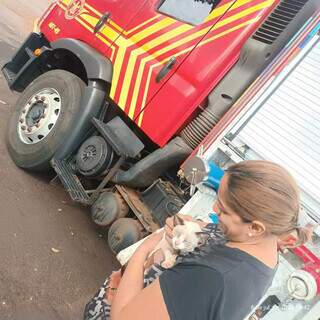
x=45, y=105
x=43, y=98
x=38, y=125
x=24, y=111
x=21, y=120
x=29, y=129
x=23, y=128
x=37, y=97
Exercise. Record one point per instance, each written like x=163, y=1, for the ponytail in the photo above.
x=303, y=235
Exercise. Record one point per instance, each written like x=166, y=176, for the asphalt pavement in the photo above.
x=52, y=257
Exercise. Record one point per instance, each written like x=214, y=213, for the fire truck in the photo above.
x=115, y=95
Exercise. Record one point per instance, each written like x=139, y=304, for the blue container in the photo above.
x=200, y=171
x=214, y=218
x=214, y=176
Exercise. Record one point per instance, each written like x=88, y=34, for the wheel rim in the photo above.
x=39, y=116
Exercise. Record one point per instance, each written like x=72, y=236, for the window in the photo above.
x=190, y=11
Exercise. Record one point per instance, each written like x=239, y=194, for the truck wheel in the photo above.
x=42, y=117
x=123, y=233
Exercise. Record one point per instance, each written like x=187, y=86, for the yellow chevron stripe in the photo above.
x=117, y=67
x=126, y=43
x=253, y=20
x=66, y=2
x=125, y=32
x=235, y=5
x=182, y=28
x=142, y=35
x=211, y=39
x=144, y=100
x=110, y=33
x=152, y=29
x=99, y=14
x=105, y=41
x=135, y=38
x=155, y=42
x=212, y=16
x=167, y=21
x=139, y=51
x=142, y=24
x=62, y=6
x=177, y=44
x=116, y=26
x=108, y=44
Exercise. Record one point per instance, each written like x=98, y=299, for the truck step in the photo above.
x=9, y=75
x=70, y=181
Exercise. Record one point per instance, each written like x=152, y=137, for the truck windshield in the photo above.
x=190, y=11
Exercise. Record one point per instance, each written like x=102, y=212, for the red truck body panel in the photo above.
x=139, y=41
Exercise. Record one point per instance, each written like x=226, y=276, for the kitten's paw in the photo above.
x=168, y=263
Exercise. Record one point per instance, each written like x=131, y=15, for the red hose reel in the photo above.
x=304, y=284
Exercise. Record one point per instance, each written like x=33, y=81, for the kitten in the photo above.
x=186, y=236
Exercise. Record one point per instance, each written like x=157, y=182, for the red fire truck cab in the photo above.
x=116, y=94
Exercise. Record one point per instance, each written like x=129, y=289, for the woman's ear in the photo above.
x=256, y=228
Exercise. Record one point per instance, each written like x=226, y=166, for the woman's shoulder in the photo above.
x=217, y=257
x=225, y=260
x=214, y=240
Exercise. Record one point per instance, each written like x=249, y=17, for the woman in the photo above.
x=257, y=204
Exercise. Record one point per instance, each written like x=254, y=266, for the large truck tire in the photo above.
x=42, y=117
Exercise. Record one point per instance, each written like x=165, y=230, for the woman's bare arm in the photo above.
x=130, y=290
x=131, y=283
x=148, y=304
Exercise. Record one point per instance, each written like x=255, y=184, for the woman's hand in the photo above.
x=112, y=288
x=148, y=245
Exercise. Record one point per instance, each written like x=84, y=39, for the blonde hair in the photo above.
x=265, y=191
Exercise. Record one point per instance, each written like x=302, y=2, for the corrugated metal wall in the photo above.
x=287, y=127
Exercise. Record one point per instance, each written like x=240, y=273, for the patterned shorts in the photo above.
x=99, y=309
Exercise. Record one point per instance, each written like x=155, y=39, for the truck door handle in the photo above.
x=166, y=68
x=104, y=18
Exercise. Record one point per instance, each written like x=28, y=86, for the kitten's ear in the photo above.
x=177, y=220
x=203, y=237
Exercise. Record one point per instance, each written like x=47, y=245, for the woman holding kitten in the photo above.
x=223, y=279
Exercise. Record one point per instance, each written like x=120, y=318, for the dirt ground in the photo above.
x=36, y=216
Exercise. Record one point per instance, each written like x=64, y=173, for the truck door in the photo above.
x=165, y=106
x=157, y=40
x=98, y=23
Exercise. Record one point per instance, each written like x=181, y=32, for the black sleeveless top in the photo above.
x=215, y=282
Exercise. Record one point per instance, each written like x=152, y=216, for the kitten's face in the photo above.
x=183, y=239
x=187, y=235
